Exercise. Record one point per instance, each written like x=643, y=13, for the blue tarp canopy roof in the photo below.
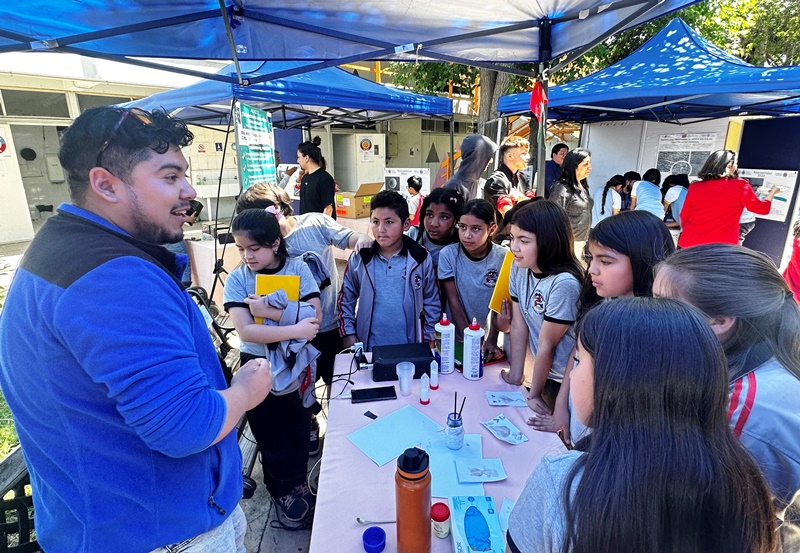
x=320, y=33
x=316, y=98
x=676, y=75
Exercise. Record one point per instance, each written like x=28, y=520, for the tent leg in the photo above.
x=452, y=146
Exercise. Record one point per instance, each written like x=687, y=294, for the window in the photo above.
x=88, y=101
x=35, y=104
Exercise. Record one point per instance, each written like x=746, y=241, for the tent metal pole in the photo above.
x=545, y=53
x=218, y=263
x=452, y=147
x=231, y=42
x=148, y=64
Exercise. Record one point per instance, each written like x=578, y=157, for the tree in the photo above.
x=773, y=38
x=761, y=33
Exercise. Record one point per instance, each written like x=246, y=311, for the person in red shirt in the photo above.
x=714, y=204
x=792, y=272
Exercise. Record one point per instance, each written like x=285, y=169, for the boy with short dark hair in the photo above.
x=407, y=306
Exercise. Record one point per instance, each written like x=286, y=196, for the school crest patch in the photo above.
x=417, y=281
x=538, y=303
x=490, y=278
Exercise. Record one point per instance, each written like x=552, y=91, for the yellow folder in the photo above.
x=501, y=288
x=266, y=284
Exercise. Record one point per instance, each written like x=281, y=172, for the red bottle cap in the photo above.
x=474, y=324
x=425, y=402
x=440, y=512
x=444, y=321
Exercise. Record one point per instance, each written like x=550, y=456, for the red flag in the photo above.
x=538, y=100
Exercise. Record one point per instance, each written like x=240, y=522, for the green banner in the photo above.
x=255, y=142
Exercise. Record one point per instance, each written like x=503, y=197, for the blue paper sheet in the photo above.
x=387, y=438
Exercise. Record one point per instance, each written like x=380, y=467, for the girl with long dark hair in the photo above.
x=571, y=191
x=544, y=284
x=468, y=272
x=437, y=226
x=754, y=314
x=661, y=471
x=623, y=252
x=280, y=424
x=714, y=204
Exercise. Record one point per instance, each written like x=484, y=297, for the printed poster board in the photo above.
x=256, y=145
x=762, y=180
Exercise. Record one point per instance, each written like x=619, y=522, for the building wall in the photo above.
x=24, y=184
x=15, y=219
x=414, y=145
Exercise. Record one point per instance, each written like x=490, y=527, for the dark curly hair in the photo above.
x=116, y=139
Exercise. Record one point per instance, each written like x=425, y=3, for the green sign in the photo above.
x=256, y=145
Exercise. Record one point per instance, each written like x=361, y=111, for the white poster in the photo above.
x=684, y=152
x=397, y=179
x=762, y=180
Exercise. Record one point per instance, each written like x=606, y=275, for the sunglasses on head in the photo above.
x=139, y=114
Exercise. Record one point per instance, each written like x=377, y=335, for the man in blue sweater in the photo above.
x=123, y=413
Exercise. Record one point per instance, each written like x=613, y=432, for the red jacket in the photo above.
x=792, y=272
x=712, y=210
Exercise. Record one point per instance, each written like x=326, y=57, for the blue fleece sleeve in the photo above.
x=131, y=327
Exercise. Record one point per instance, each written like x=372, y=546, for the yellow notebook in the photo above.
x=266, y=284
x=501, y=288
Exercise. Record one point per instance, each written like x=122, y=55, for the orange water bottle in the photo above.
x=413, y=502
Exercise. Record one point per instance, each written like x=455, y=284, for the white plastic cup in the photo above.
x=405, y=373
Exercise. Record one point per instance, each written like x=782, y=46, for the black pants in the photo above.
x=281, y=427
x=329, y=344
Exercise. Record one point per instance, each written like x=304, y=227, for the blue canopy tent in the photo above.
x=325, y=33
x=311, y=99
x=675, y=76
x=320, y=33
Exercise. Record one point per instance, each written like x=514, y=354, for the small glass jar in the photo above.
x=454, y=433
x=440, y=517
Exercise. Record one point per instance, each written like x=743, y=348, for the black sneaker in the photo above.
x=313, y=442
x=291, y=508
x=304, y=492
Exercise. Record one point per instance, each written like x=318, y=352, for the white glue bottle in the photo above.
x=434, y=375
x=425, y=390
x=445, y=345
x=473, y=351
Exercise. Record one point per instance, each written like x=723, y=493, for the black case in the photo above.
x=386, y=358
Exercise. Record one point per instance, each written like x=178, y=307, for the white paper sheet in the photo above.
x=444, y=479
x=510, y=399
x=505, y=511
x=480, y=470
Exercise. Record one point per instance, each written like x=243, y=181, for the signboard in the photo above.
x=762, y=180
x=396, y=179
x=684, y=152
x=256, y=145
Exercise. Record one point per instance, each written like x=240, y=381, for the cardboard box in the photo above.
x=354, y=205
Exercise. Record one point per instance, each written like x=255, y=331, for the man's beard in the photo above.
x=148, y=231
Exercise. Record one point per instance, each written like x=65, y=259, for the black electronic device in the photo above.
x=386, y=358
x=380, y=393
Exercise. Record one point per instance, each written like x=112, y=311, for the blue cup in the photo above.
x=374, y=539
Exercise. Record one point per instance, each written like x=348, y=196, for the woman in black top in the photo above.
x=317, y=187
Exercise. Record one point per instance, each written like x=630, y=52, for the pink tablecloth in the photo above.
x=351, y=485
